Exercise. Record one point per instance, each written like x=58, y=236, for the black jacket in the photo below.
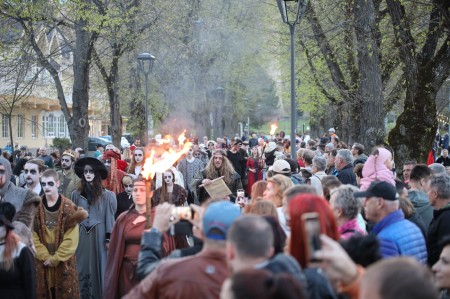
x=282, y=263
x=346, y=175
x=418, y=220
x=443, y=161
x=439, y=228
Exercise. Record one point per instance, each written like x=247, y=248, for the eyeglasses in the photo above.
x=197, y=154
x=66, y=160
x=86, y=171
x=51, y=184
x=32, y=171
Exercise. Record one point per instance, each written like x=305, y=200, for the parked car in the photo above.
x=129, y=137
x=123, y=141
x=93, y=141
x=107, y=138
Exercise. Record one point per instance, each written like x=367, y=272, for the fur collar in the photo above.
x=76, y=217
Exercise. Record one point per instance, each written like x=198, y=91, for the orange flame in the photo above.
x=154, y=164
x=182, y=138
x=166, y=139
x=273, y=128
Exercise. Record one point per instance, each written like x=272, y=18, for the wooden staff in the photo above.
x=148, y=212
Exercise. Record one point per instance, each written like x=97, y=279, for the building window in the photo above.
x=62, y=126
x=5, y=126
x=20, y=126
x=34, y=126
x=50, y=126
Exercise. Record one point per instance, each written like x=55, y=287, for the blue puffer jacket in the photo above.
x=399, y=236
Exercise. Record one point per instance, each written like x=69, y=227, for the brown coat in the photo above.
x=65, y=273
x=199, y=276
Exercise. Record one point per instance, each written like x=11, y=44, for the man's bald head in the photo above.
x=398, y=278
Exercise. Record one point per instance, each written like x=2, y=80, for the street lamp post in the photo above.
x=291, y=13
x=146, y=62
x=220, y=94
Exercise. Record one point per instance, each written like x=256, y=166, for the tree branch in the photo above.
x=327, y=51
x=322, y=89
x=402, y=30
x=440, y=65
x=433, y=35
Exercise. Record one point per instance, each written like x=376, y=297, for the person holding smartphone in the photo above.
x=310, y=216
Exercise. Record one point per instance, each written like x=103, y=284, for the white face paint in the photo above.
x=128, y=188
x=32, y=174
x=168, y=177
x=50, y=186
x=89, y=174
x=190, y=153
x=138, y=156
x=2, y=175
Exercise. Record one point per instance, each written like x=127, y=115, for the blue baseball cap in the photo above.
x=218, y=218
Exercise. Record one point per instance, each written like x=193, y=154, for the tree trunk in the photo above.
x=114, y=101
x=79, y=123
x=413, y=135
x=369, y=100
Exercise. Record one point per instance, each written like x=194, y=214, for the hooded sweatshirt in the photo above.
x=422, y=205
x=375, y=170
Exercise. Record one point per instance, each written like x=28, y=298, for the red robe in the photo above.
x=254, y=177
x=120, y=269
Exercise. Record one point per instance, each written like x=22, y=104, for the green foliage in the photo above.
x=61, y=144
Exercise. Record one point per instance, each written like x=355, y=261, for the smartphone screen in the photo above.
x=312, y=228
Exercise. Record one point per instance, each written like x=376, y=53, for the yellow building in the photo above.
x=37, y=117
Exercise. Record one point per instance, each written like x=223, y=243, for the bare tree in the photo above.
x=19, y=77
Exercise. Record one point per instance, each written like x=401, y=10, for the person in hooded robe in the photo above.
x=95, y=230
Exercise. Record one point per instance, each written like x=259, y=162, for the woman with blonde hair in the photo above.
x=276, y=186
x=263, y=208
x=258, y=189
x=126, y=155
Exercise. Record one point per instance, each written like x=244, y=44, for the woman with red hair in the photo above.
x=319, y=286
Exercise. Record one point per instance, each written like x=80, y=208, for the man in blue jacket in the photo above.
x=397, y=235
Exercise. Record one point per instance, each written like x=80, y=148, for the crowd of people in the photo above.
x=333, y=222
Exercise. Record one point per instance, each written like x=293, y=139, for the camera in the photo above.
x=182, y=213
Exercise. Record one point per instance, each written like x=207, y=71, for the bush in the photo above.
x=61, y=144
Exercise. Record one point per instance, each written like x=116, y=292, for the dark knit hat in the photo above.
x=7, y=212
